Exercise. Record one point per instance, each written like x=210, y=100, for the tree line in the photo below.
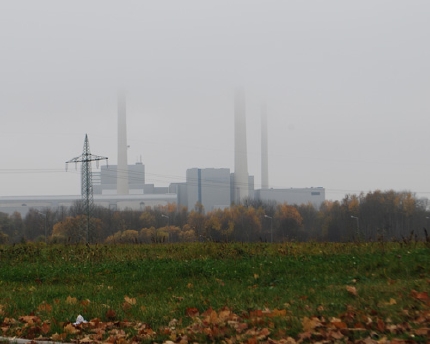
x=377, y=215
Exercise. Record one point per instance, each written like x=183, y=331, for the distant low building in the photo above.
x=21, y=204
x=105, y=181
x=316, y=196
x=208, y=186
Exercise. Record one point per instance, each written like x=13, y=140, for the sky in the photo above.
x=346, y=84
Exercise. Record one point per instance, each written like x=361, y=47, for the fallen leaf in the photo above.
x=192, y=312
x=424, y=331
x=71, y=300
x=310, y=324
x=86, y=340
x=213, y=318
x=70, y=329
x=59, y=337
x=131, y=301
x=276, y=313
x=225, y=314
x=380, y=325
x=390, y=303
x=110, y=314
x=45, y=307
x=263, y=334
x=339, y=324
x=45, y=328
x=126, y=306
x=258, y=313
x=30, y=319
x=335, y=335
x=85, y=302
x=9, y=321
x=352, y=290
x=423, y=296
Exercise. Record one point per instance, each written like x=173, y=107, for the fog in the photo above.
x=346, y=86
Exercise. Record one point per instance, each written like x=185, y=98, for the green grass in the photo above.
x=306, y=279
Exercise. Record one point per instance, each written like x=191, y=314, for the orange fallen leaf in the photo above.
x=213, y=318
x=131, y=301
x=339, y=324
x=424, y=331
x=380, y=325
x=310, y=324
x=110, y=314
x=59, y=337
x=70, y=329
x=258, y=313
x=192, y=312
x=86, y=340
x=85, y=302
x=45, y=328
x=276, y=313
x=423, y=296
x=390, y=303
x=126, y=306
x=263, y=334
x=336, y=335
x=45, y=307
x=71, y=300
x=29, y=319
x=9, y=321
x=225, y=314
x=352, y=290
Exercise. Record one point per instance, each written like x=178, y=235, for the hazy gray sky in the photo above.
x=347, y=87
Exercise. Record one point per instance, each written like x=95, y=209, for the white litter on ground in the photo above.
x=79, y=320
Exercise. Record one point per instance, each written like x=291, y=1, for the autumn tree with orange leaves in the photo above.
x=73, y=230
x=376, y=215
x=288, y=223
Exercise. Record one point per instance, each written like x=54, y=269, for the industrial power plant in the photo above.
x=123, y=186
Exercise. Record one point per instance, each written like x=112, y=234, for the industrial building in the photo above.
x=209, y=187
x=22, y=204
x=315, y=196
x=123, y=186
x=105, y=181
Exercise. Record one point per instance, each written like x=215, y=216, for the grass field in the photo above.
x=214, y=292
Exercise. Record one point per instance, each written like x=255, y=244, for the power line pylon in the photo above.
x=86, y=182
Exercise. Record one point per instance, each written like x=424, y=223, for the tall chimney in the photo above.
x=264, y=149
x=122, y=168
x=240, y=151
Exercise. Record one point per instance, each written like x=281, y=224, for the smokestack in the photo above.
x=264, y=149
x=240, y=151
x=122, y=168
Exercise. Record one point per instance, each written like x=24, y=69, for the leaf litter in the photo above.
x=224, y=325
